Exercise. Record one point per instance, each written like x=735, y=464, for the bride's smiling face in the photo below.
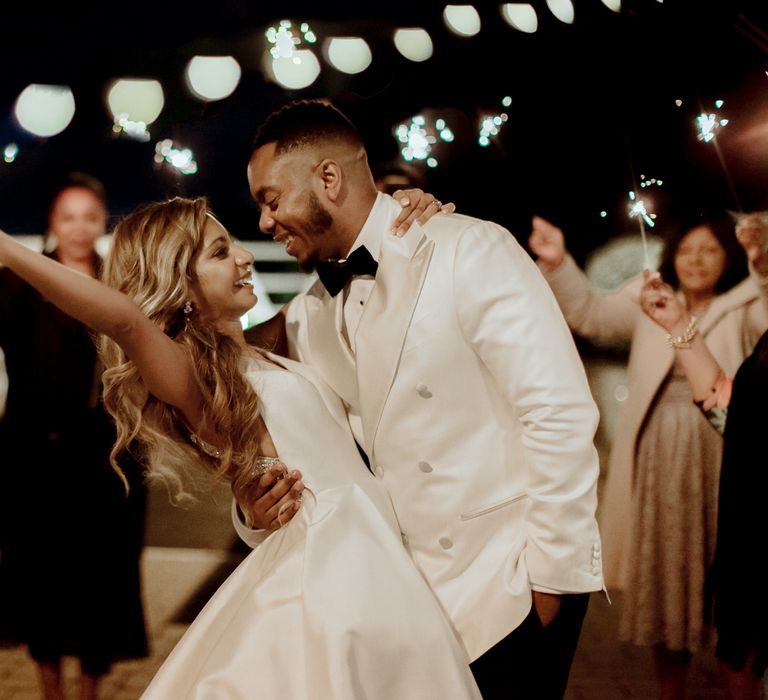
x=223, y=288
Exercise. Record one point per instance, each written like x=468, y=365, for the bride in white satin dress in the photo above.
x=328, y=607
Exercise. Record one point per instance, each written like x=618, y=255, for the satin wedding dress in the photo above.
x=329, y=607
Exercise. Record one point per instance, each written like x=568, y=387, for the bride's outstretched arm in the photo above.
x=162, y=363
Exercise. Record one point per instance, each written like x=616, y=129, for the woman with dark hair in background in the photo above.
x=68, y=585
x=659, y=508
x=740, y=607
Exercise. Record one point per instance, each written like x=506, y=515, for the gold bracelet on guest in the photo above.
x=684, y=340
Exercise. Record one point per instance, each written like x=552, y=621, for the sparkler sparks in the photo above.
x=638, y=210
x=419, y=138
x=490, y=126
x=708, y=123
x=286, y=39
x=136, y=130
x=181, y=159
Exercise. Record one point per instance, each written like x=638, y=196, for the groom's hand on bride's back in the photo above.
x=271, y=501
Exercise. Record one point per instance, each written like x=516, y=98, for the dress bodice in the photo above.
x=330, y=605
x=309, y=428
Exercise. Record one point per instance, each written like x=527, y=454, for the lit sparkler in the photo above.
x=419, y=138
x=285, y=39
x=708, y=123
x=182, y=159
x=136, y=130
x=490, y=126
x=638, y=210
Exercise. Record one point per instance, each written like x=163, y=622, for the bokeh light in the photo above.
x=297, y=72
x=286, y=38
x=292, y=64
x=650, y=182
x=462, y=19
x=181, y=159
x=10, y=152
x=614, y=5
x=521, y=16
x=562, y=9
x=415, y=44
x=213, y=77
x=419, y=138
x=349, y=54
x=490, y=125
x=45, y=110
x=135, y=100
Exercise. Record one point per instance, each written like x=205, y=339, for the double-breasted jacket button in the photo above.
x=423, y=390
x=445, y=542
x=405, y=538
x=426, y=467
x=378, y=471
x=596, y=555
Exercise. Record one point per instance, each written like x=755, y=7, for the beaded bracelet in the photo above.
x=684, y=340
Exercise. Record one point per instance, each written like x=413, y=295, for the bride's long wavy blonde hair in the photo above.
x=152, y=260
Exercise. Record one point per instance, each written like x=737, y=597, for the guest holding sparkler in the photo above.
x=741, y=619
x=660, y=506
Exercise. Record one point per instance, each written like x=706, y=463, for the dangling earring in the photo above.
x=188, y=308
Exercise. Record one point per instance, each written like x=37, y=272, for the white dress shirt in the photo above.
x=356, y=293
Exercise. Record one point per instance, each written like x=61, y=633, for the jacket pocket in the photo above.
x=485, y=510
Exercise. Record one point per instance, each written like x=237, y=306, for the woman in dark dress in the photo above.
x=70, y=537
x=737, y=577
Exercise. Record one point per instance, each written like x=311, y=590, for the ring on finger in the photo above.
x=438, y=203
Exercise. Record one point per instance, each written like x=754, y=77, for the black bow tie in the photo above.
x=335, y=274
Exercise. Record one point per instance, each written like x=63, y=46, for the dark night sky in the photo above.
x=593, y=104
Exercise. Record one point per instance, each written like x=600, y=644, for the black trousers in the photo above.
x=533, y=662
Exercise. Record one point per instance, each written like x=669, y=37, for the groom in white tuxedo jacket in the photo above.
x=463, y=388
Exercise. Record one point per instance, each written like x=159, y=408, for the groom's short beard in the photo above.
x=318, y=222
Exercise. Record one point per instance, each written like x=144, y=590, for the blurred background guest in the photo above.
x=394, y=175
x=70, y=537
x=659, y=509
x=740, y=609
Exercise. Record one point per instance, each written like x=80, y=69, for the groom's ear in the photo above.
x=332, y=178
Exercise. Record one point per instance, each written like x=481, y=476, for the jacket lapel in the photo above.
x=331, y=356
x=403, y=265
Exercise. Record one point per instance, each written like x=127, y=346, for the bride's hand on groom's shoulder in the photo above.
x=419, y=207
x=271, y=501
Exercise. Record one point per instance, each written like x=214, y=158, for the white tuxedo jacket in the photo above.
x=476, y=414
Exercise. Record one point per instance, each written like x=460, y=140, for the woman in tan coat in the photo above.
x=658, y=513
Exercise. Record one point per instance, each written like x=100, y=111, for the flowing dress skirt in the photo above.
x=674, y=508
